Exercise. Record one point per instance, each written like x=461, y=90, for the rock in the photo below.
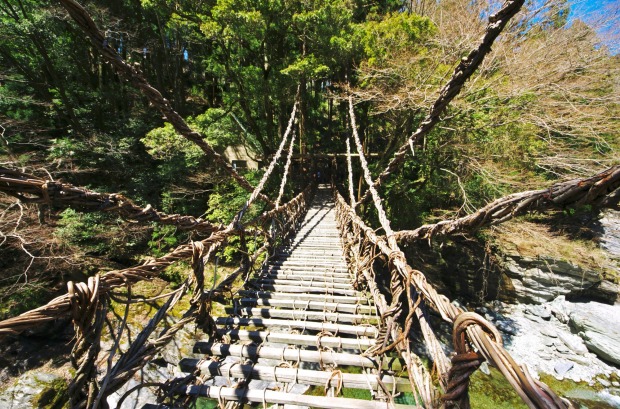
x=609, y=238
x=605, y=292
x=604, y=382
x=539, y=311
x=507, y=326
x=538, y=280
x=562, y=367
x=599, y=326
x=549, y=332
x=484, y=368
x=560, y=309
x=573, y=342
x=561, y=348
x=25, y=390
x=580, y=359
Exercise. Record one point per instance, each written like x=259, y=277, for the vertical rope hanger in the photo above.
x=400, y=283
x=271, y=167
x=350, y=168
x=289, y=159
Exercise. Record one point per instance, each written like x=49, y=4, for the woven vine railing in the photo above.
x=474, y=339
x=88, y=303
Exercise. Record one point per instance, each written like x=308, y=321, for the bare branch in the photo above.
x=462, y=72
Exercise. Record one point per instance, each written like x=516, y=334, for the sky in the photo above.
x=596, y=12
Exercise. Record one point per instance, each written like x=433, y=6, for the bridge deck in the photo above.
x=298, y=328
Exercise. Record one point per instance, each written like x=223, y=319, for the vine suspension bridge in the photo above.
x=317, y=312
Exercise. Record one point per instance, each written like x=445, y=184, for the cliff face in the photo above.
x=529, y=262
x=532, y=281
x=536, y=277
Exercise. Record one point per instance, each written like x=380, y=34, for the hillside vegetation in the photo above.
x=544, y=106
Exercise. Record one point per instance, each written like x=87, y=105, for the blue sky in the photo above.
x=591, y=11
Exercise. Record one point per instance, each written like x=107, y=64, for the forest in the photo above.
x=542, y=107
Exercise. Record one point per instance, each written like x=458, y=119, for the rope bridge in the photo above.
x=307, y=305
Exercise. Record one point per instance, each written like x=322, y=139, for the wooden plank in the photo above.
x=285, y=353
x=316, y=277
x=283, y=398
x=368, y=331
x=296, y=375
x=313, y=263
x=304, y=283
x=344, y=299
x=310, y=305
x=300, y=289
x=309, y=268
x=360, y=344
x=307, y=271
x=304, y=315
x=302, y=272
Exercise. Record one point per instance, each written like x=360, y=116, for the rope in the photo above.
x=61, y=306
x=258, y=189
x=289, y=159
x=396, y=261
x=350, y=174
x=599, y=189
x=31, y=189
x=534, y=393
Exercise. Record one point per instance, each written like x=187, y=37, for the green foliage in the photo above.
x=229, y=198
x=393, y=33
x=166, y=145
x=95, y=233
x=55, y=395
x=175, y=274
x=163, y=239
x=308, y=67
x=81, y=229
x=217, y=127
x=21, y=299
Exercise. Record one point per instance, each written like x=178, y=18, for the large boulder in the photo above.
x=598, y=325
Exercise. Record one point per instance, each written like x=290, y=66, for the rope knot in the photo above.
x=464, y=321
x=466, y=360
x=83, y=298
x=396, y=255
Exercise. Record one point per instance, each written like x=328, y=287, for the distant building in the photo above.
x=242, y=157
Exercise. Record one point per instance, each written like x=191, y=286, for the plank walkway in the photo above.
x=298, y=328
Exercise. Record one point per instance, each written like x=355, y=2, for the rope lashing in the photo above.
x=534, y=393
x=83, y=299
x=399, y=274
x=466, y=361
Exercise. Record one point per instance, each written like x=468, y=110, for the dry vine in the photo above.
x=31, y=189
x=601, y=190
